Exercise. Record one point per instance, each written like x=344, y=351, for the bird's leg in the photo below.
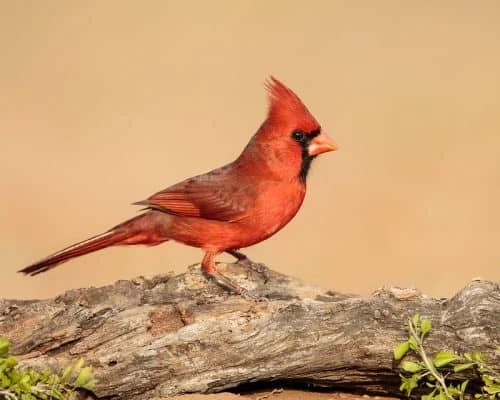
x=244, y=260
x=208, y=266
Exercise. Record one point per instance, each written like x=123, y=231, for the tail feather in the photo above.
x=148, y=228
x=90, y=245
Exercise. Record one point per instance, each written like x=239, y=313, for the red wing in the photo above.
x=210, y=196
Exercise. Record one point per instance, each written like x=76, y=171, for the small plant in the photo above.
x=434, y=372
x=17, y=384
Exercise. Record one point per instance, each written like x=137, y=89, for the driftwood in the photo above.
x=172, y=334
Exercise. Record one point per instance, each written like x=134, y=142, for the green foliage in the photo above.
x=433, y=374
x=17, y=384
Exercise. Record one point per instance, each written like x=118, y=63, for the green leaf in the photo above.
x=410, y=366
x=5, y=382
x=67, y=372
x=453, y=390
x=441, y=396
x=10, y=362
x=477, y=357
x=4, y=347
x=90, y=384
x=30, y=384
x=462, y=367
x=416, y=320
x=84, y=377
x=492, y=387
x=24, y=383
x=444, y=358
x=413, y=343
x=408, y=384
x=400, y=350
x=426, y=326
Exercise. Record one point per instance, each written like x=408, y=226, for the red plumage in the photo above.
x=232, y=207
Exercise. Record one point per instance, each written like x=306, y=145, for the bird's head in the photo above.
x=290, y=138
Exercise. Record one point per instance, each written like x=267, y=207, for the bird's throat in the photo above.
x=305, y=164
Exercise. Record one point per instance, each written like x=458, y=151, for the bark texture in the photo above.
x=173, y=334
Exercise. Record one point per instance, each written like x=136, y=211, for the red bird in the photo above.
x=234, y=206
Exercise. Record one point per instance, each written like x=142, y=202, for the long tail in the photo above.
x=138, y=230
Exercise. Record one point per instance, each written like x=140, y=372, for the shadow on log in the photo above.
x=173, y=334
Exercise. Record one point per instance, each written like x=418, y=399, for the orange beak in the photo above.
x=321, y=144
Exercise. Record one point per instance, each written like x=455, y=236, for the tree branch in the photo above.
x=174, y=334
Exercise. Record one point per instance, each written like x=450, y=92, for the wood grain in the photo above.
x=172, y=334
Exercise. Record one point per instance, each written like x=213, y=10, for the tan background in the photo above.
x=105, y=102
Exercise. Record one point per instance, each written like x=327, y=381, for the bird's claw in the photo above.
x=261, y=268
x=232, y=286
x=243, y=259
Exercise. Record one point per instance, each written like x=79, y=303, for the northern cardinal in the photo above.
x=234, y=206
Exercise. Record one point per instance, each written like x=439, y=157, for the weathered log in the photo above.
x=172, y=334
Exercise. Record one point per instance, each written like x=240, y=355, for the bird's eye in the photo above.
x=298, y=136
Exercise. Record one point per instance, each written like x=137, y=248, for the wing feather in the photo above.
x=215, y=195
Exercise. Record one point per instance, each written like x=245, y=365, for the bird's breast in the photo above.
x=277, y=204
x=274, y=206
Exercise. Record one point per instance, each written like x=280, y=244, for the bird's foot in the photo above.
x=261, y=268
x=232, y=286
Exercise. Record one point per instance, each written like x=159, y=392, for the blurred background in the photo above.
x=105, y=103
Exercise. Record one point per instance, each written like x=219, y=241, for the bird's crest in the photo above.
x=286, y=105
